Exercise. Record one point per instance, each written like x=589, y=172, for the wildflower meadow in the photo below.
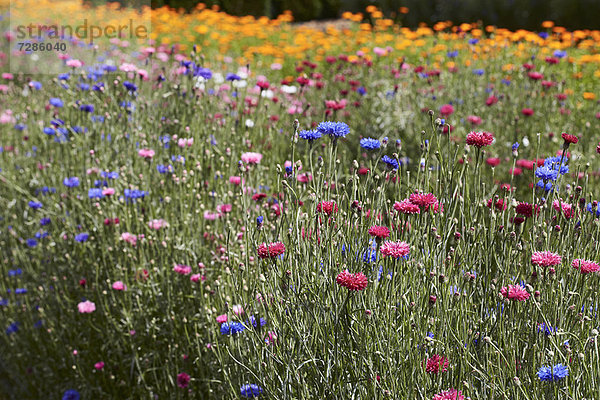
x=241, y=207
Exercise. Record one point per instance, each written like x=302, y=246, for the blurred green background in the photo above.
x=511, y=14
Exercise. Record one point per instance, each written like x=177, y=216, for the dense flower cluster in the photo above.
x=545, y=258
x=395, y=249
x=480, y=139
x=515, y=292
x=271, y=250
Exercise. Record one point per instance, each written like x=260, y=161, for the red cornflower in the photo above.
x=271, y=250
x=395, y=249
x=528, y=112
x=407, y=207
x=536, y=76
x=423, y=200
x=450, y=394
x=569, y=139
x=327, y=207
x=598, y=148
x=436, y=364
x=258, y=196
x=350, y=281
x=499, y=204
x=585, y=266
x=480, y=139
x=491, y=100
x=183, y=380
x=493, y=161
x=526, y=209
x=380, y=232
x=545, y=258
x=515, y=292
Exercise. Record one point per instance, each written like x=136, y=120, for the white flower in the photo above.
x=289, y=89
x=249, y=123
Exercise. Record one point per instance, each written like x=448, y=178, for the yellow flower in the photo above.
x=589, y=96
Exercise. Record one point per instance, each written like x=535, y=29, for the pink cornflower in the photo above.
x=406, y=207
x=73, y=63
x=357, y=281
x=252, y=158
x=474, y=119
x=327, y=207
x=86, y=307
x=585, y=266
x=157, y=224
x=183, y=380
x=450, y=394
x=480, y=139
x=380, y=232
x=129, y=238
x=222, y=318
x=120, y=286
x=436, y=364
x=146, y=153
x=182, y=142
x=395, y=249
x=446, y=110
x=567, y=209
x=108, y=191
x=423, y=200
x=182, y=269
x=196, y=278
x=236, y=180
x=99, y=365
x=545, y=258
x=515, y=292
x=271, y=251
x=225, y=208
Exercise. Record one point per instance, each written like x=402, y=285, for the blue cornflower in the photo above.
x=393, y=164
x=452, y=54
x=79, y=129
x=231, y=328
x=134, y=193
x=71, y=182
x=87, y=108
x=309, y=135
x=15, y=272
x=41, y=235
x=109, y=175
x=44, y=221
x=473, y=41
x=82, y=237
x=84, y=86
x=130, y=86
x=515, y=146
x=251, y=390
x=546, y=329
x=560, y=53
x=35, y=204
x=203, y=72
x=233, y=77
x=370, y=144
x=543, y=35
x=370, y=254
x=589, y=207
x=56, y=122
x=361, y=90
x=49, y=131
x=20, y=291
x=163, y=169
x=259, y=220
x=20, y=127
x=56, y=102
x=95, y=193
x=333, y=129
x=71, y=394
x=64, y=77
x=252, y=321
x=35, y=85
x=12, y=328
x=478, y=71
x=553, y=374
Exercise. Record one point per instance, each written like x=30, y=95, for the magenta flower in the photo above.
x=120, y=286
x=545, y=258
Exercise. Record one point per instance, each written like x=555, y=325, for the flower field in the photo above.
x=250, y=208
